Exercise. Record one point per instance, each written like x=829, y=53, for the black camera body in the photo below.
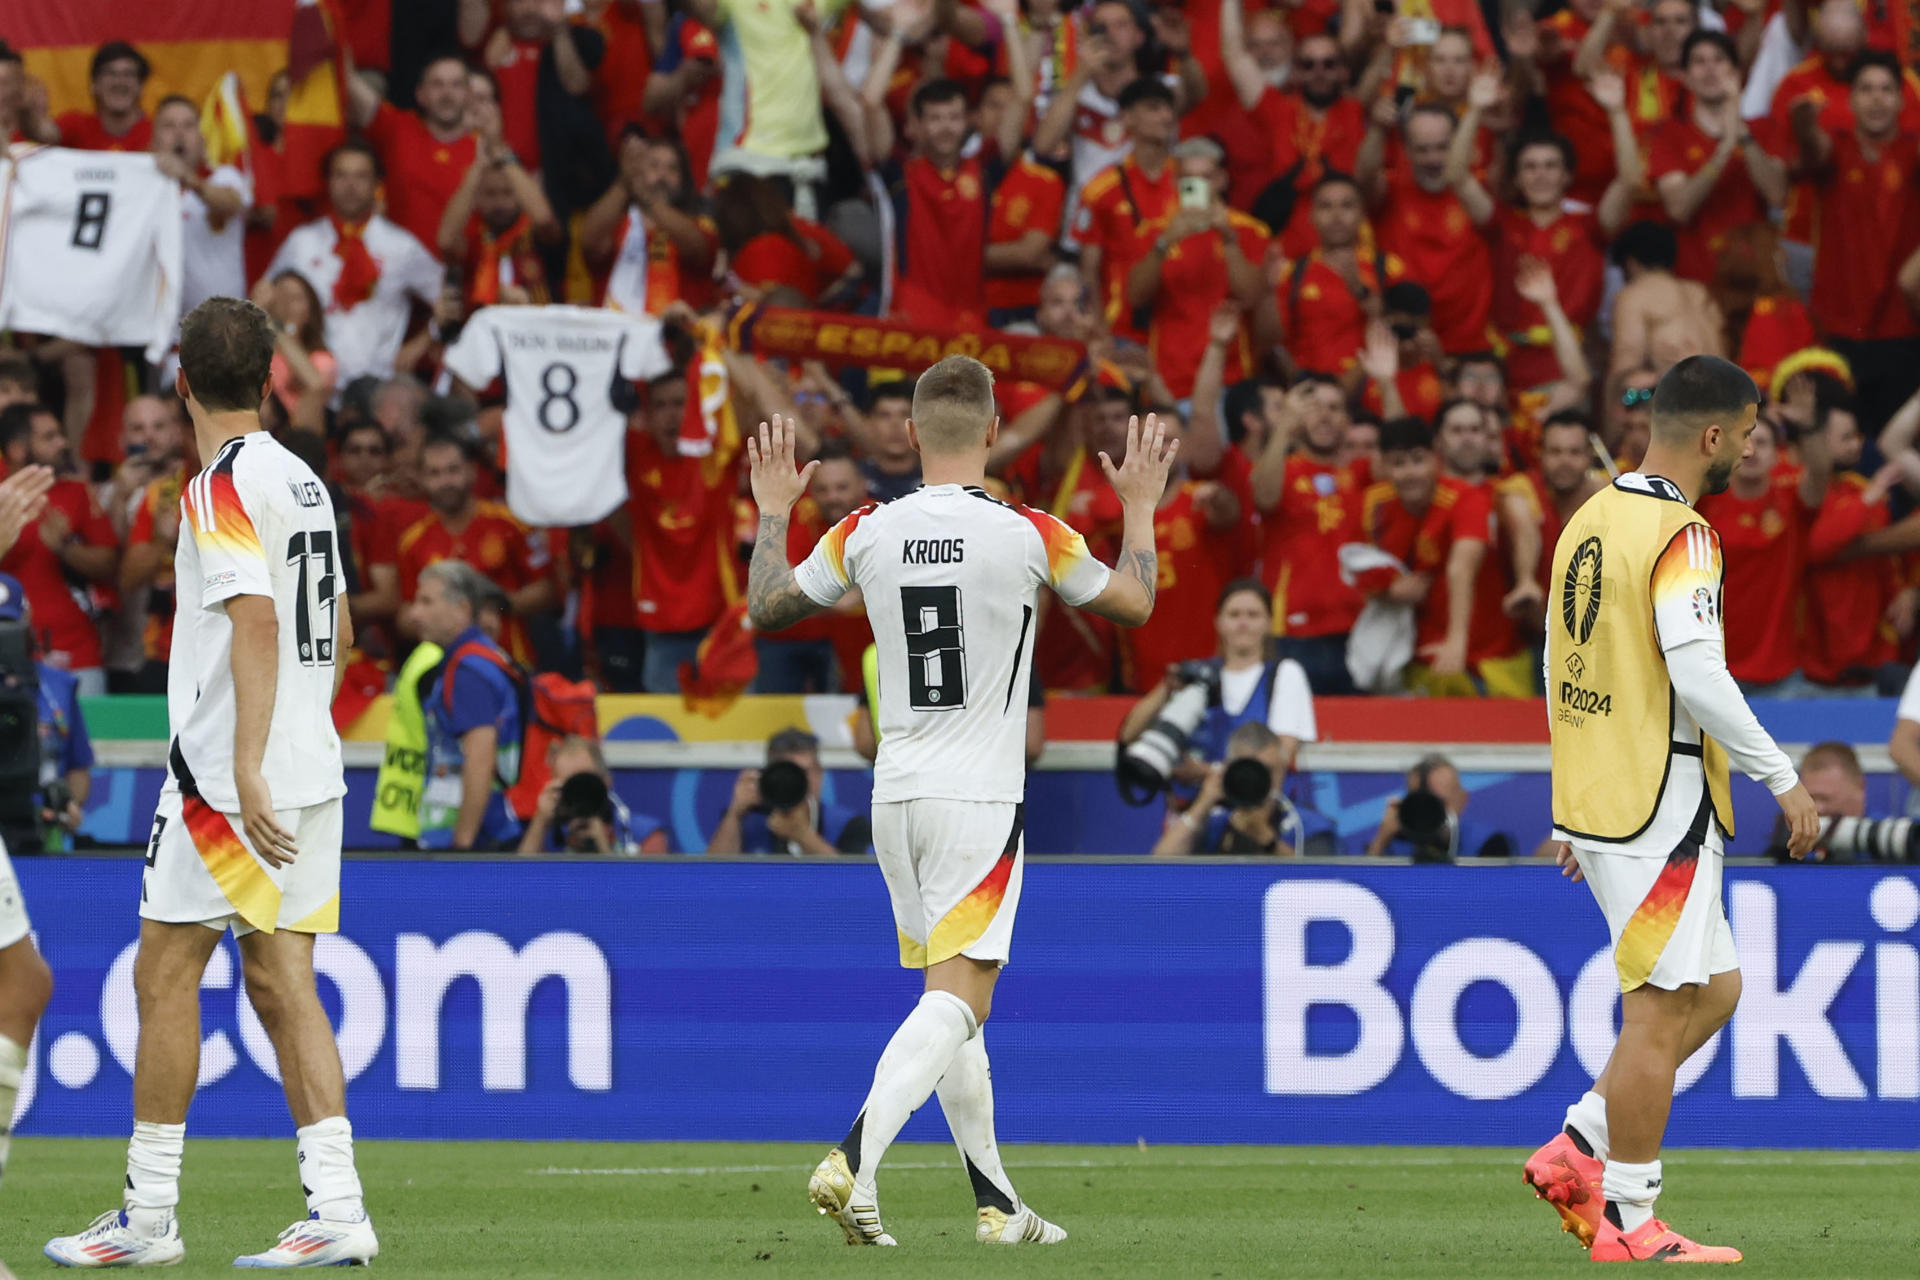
x=20, y=798
x=783, y=785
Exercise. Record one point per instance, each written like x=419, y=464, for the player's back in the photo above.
x=256, y=521
x=951, y=577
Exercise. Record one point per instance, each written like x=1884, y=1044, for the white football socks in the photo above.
x=1631, y=1189
x=914, y=1060
x=1588, y=1118
x=327, y=1175
x=13, y=1066
x=153, y=1175
x=966, y=1095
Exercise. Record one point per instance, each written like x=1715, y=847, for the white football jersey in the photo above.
x=214, y=263
x=92, y=248
x=261, y=524
x=566, y=441
x=951, y=576
x=366, y=337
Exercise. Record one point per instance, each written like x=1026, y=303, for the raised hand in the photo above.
x=1141, y=476
x=1534, y=281
x=776, y=484
x=1385, y=115
x=1380, y=357
x=1223, y=326
x=1609, y=90
x=23, y=496
x=1485, y=92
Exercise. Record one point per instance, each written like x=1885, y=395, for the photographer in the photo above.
x=1429, y=822
x=1240, y=809
x=1832, y=775
x=1170, y=736
x=778, y=809
x=66, y=751
x=578, y=812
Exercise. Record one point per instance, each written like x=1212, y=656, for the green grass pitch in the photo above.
x=722, y=1209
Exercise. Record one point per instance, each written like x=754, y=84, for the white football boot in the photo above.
x=1022, y=1226
x=831, y=1190
x=109, y=1242
x=319, y=1242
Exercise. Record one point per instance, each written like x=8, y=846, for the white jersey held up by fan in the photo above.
x=951, y=579
x=566, y=370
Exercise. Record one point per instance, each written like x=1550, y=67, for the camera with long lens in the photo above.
x=1428, y=826
x=1145, y=766
x=783, y=784
x=1247, y=784
x=1873, y=839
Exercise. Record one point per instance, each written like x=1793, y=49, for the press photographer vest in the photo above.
x=1610, y=700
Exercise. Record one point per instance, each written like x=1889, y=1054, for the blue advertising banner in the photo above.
x=1170, y=1002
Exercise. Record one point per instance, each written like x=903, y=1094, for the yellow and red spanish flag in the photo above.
x=191, y=44
x=316, y=100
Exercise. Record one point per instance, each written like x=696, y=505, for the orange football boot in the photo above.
x=1655, y=1241
x=1569, y=1180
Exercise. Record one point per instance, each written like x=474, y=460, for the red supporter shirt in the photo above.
x=940, y=238
x=422, y=171
x=1195, y=563
x=65, y=631
x=1867, y=225
x=1681, y=146
x=620, y=81
x=1031, y=197
x=810, y=260
x=1324, y=323
x=1421, y=392
x=510, y=555
x=1460, y=512
x=1112, y=207
x=1776, y=328
x=1764, y=543
x=1811, y=79
x=1193, y=281
x=684, y=575
x=1303, y=533
x=700, y=117
x=163, y=494
x=1575, y=247
x=1317, y=142
x=1444, y=254
x=1653, y=96
x=82, y=131
x=519, y=75
x=1847, y=635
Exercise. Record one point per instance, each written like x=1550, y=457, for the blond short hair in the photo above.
x=953, y=406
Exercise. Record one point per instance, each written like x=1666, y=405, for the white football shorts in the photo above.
x=14, y=924
x=201, y=869
x=1668, y=922
x=953, y=872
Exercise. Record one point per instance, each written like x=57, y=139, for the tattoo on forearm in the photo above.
x=1143, y=565
x=774, y=599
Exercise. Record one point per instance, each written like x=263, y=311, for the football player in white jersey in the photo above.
x=26, y=984
x=247, y=832
x=951, y=577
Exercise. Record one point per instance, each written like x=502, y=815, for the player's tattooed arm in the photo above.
x=1141, y=564
x=774, y=599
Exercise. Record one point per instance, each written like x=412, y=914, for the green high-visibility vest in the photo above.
x=403, y=769
x=870, y=675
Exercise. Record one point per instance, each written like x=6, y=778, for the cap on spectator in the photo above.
x=13, y=598
x=116, y=51
x=1144, y=89
x=1810, y=360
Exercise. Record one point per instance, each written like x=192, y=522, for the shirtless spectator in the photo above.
x=1658, y=318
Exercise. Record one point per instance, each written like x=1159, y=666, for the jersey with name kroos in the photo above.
x=92, y=248
x=566, y=431
x=951, y=577
x=256, y=522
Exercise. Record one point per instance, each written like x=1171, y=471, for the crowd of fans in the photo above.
x=1402, y=274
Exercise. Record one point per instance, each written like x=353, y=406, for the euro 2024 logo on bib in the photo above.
x=1580, y=594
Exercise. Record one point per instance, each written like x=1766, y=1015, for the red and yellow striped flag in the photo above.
x=191, y=44
x=316, y=100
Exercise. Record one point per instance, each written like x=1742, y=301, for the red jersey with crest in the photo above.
x=66, y=632
x=1300, y=560
x=1445, y=255
x=1865, y=226
x=1574, y=246
x=1763, y=542
x=1323, y=320
x=1459, y=512
x=499, y=546
x=684, y=573
x=1112, y=208
x=1847, y=636
x=1193, y=281
x=1031, y=197
x=1316, y=142
x=422, y=171
x=1681, y=146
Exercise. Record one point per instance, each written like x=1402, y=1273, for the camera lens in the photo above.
x=783, y=784
x=1248, y=784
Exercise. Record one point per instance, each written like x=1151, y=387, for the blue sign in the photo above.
x=1171, y=1002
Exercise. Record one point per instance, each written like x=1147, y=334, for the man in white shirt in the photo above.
x=367, y=270
x=213, y=205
